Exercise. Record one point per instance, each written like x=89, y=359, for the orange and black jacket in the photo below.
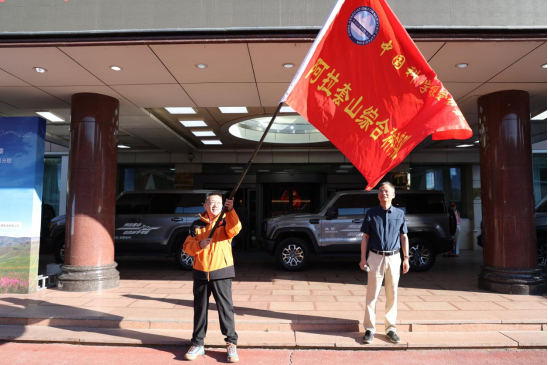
x=215, y=261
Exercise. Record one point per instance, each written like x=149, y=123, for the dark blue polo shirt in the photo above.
x=384, y=228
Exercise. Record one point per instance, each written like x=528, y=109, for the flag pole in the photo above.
x=246, y=168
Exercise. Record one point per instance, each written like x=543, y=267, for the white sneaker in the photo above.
x=232, y=353
x=193, y=352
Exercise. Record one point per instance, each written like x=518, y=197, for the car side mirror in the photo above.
x=332, y=213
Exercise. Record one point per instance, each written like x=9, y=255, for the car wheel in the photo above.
x=421, y=255
x=292, y=254
x=184, y=261
x=541, y=255
x=59, y=251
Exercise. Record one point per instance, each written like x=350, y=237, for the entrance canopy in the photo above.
x=205, y=77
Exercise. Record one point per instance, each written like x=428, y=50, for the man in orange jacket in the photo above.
x=213, y=272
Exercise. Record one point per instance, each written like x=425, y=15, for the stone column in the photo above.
x=89, y=255
x=509, y=256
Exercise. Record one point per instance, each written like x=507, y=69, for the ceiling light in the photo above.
x=203, y=133
x=193, y=123
x=123, y=146
x=172, y=169
x=211, y=141
x=287, y=109
x=180, y=110
x=476, y=141
x=40, y=70
x=233, y=109
x=461, y=65
x=541, y=116
x=341, y=171
x=236, y=167
x=201, y=66
x=544, y=66
x=348, y=167
x=465, y=145
x=288, y=65
x=51, y=117
x=115, y=68
x=263, y=170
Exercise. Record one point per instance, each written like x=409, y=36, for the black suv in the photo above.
x=335, y=228
x=147, y=223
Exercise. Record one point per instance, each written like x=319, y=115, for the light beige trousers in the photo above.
x=387, y=268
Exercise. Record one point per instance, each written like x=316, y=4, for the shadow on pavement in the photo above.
x=27, y=309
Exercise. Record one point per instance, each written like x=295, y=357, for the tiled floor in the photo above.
x=330, y=295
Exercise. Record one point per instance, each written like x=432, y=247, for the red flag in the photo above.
x=365, y=85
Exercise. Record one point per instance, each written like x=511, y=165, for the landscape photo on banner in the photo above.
x=365, y=85
x=22, y=144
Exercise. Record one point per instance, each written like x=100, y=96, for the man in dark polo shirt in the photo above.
x=384, y=234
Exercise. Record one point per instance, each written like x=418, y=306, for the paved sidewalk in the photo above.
x=56, y=354
x=326, y=300
x=272, y=340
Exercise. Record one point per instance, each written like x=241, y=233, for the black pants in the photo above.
x=222, y=292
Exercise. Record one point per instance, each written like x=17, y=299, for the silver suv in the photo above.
x=335, y=228
x=147, y=223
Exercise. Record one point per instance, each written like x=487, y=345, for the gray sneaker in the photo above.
x=392, y=336
x=369, y=336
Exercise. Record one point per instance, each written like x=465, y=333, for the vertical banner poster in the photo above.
x=21, y=178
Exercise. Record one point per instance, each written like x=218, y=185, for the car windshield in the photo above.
x=324, y=205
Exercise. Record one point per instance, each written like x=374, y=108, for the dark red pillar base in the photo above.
x=512, y=280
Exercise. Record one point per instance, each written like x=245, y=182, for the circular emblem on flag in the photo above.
x=363, y=25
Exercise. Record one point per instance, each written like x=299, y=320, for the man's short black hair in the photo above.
x=213, y=193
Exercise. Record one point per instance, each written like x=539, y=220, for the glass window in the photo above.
x=52, y=182
x=399, y=202
x=354, y=204
x=541, y=208
x=539, y=176
x=191, y=204
x=449, y=179
x=133, y=204
x=164, y=203
x=146, y=178
x=424, y=203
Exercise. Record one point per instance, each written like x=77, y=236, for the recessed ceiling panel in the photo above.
x=429, y=49
x=155, y=96
x=272, y=93
x=137, y=122
x=225, y=62
x=528, y=69
x=9, y=80
x=139, y=64
x=269, y=58
x=484, y=59
x=65, y=93
x=460, y=89
x=223, y=118
x=29, y=98
x=61, y=69
x=224, y=94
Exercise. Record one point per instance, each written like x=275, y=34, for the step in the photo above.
x=295, y=323
x=291, y=340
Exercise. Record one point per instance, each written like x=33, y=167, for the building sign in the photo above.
x=21, y=178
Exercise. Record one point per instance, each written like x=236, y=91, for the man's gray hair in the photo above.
x=387, y=183
x=213, y=193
